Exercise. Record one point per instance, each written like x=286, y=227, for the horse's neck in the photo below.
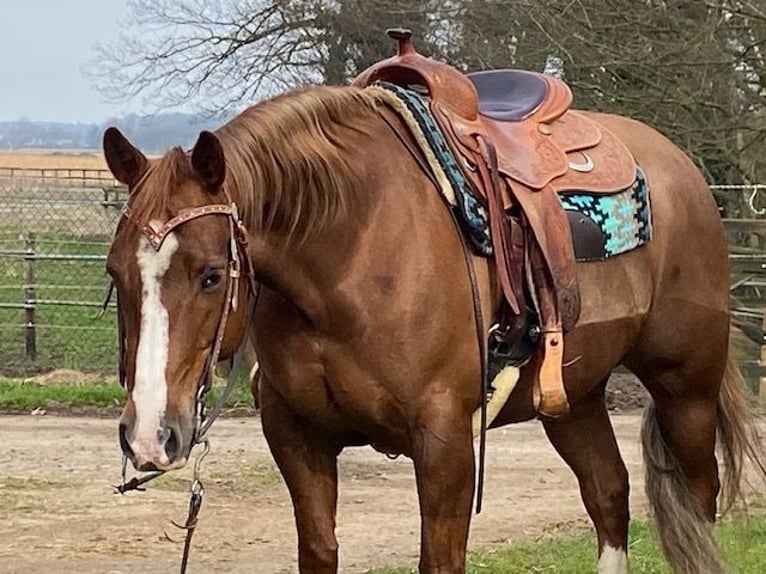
x=353, y=249
x=306, y=273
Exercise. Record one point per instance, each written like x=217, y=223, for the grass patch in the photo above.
x=744, y=549
x=248, y=477
x=15, y=395
x=172, y=482
x=19, y=396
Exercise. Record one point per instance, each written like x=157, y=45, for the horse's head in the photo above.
x=174, y=259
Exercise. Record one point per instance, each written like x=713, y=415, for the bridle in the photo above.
x=238, y=261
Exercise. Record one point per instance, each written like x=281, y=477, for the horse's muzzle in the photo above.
x=165, y=450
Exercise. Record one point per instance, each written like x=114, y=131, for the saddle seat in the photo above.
x=509, y=95
x=521, y=145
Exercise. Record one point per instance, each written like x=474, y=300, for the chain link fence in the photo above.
x=55, y=229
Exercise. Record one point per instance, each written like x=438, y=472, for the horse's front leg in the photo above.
x=308, y=464
x=444, y=469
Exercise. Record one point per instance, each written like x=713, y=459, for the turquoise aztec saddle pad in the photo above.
x=602, y=225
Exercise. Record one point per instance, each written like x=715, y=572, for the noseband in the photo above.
x=238, y=261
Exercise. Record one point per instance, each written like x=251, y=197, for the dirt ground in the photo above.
x=59, y=515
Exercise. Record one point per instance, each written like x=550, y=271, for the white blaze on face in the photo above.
x=150, y=385
x=613, y=561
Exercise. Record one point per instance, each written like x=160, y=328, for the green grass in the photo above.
x=575, y=553
x=16, y=395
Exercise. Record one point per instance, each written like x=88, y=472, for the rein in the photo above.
x=477, y=312
x=238, y=262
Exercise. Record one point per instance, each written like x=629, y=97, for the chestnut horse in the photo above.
x=364, y=325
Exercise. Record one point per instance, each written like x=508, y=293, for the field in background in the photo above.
x=52, y=159
x=66, y=392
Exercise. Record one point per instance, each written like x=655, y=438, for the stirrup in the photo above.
x=551, y=397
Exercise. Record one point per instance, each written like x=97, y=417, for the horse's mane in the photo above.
x=286, y=159
x=286, y=162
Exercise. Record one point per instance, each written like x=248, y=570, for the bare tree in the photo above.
x=228, y=53
x=692, y=68
x=220, y=53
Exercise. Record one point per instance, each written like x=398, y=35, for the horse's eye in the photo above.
x=211, y=280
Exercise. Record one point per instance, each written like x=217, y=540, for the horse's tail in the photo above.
x=685, y=531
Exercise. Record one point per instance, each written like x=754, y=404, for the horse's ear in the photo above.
x=126, y=163
x=208, y=161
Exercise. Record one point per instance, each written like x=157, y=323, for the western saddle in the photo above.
x=521, y=145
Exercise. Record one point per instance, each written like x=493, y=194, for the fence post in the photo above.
x=29, y=297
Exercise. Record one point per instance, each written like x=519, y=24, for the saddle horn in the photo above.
x=404, y=38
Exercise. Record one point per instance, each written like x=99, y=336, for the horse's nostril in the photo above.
x=172, y=444
x=163, y=434
x=124, y=444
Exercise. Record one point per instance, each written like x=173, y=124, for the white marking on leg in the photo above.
x=613, y=561
x=150, y=385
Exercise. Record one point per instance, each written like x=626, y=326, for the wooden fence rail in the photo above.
x=66, y=174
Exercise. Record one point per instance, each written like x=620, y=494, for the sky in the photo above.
x=44, y=44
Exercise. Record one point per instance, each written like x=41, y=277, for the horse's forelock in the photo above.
x=151, y=197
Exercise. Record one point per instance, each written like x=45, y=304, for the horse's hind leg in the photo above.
x=585, y=440
x=444, y=470
x=309, y=467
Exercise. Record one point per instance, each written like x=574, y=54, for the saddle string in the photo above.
x=504, y=255
x=477, y=311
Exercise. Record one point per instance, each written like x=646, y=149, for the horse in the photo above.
x=364, y=327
